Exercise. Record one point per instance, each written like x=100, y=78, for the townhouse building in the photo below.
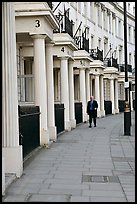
x=54, y=56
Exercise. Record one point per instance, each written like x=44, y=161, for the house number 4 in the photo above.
x=37, y=23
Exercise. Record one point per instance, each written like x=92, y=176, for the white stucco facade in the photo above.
x=61, y=55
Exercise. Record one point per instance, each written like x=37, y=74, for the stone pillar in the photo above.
x=87, y=85
x=102, y=96
x=50, y=91
x=116, y=96
x=83, y=94
x=11, y=150
x=3, y=176
x=131, y=100
x=65, y=91
x=71, y=95
x=91, y=85
x=97, y=94
x=112, y=94
x=41, y=85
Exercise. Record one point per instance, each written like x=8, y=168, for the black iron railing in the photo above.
x=78, y=112
x=50, y=4
x=108, y=107
x=82, y=43
x=121, y=67
x=29, y=128
x=66, y=25
x=96, y=54
x=59, y=117
x=112, y=62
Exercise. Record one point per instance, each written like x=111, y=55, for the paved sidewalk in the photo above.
x=85, y=165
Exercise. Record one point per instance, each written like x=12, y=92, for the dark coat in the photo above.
x=95, y=106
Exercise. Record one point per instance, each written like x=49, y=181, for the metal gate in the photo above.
x=29, y=128
x=59, y=117
x=78, y=112
x=108, y=107
x=121, y=104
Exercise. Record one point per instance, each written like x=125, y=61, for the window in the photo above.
x=129, y=34
x=99, y=44
x=92, y=42
x=91, y=10
x=99, y=16
x=120, y=54
x=128, y=6
x=79, y=7
x=133, y=10
x=130, y=59
x=85, y=8
x=25, y=81
x=115, y=26
x=110, y=23
x=119, y=28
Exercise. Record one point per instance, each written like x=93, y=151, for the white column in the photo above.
x=91, y=85
x=97, y=94
x=65, y=90
x=87, y=85
x=116, y=96
x=112, y=94
x=11, y=150
x=83, y=93
x=71, y=95
x=50, y=91
x=102, y=96
x=3, y=176
x=41, y=85
x=131, y=100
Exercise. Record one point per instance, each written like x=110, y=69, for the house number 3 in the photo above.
x=37, y=23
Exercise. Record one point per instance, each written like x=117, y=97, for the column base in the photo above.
x=3, y=176
x=53, y=133
x=73, y=123
x=85, y=117
x=13, y=160
x=116, y=111
x=99, y=114
x=103, y=113
x=113, y=112
x=44, y=138
x=67, y=125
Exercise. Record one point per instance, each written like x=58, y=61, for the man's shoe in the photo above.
x=90, y=126
x=94, y=125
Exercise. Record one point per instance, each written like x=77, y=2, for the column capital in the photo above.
x=96, y=74
x=64, y=57
x=50, y=44
x=71, y=61
x=38, y=36
x=88, y=69
x=82, y=68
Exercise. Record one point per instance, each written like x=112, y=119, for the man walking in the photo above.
x=92, y=106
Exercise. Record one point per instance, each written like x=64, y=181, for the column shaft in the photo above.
x=116, y=96
x=65, y=91
x=112, y=94
x=41, y=85
x=71, y=95
x=50, y=90
x=83, y=93
x=97, y=94
x=12, y=151
x=102, y=96
x=87, y=86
